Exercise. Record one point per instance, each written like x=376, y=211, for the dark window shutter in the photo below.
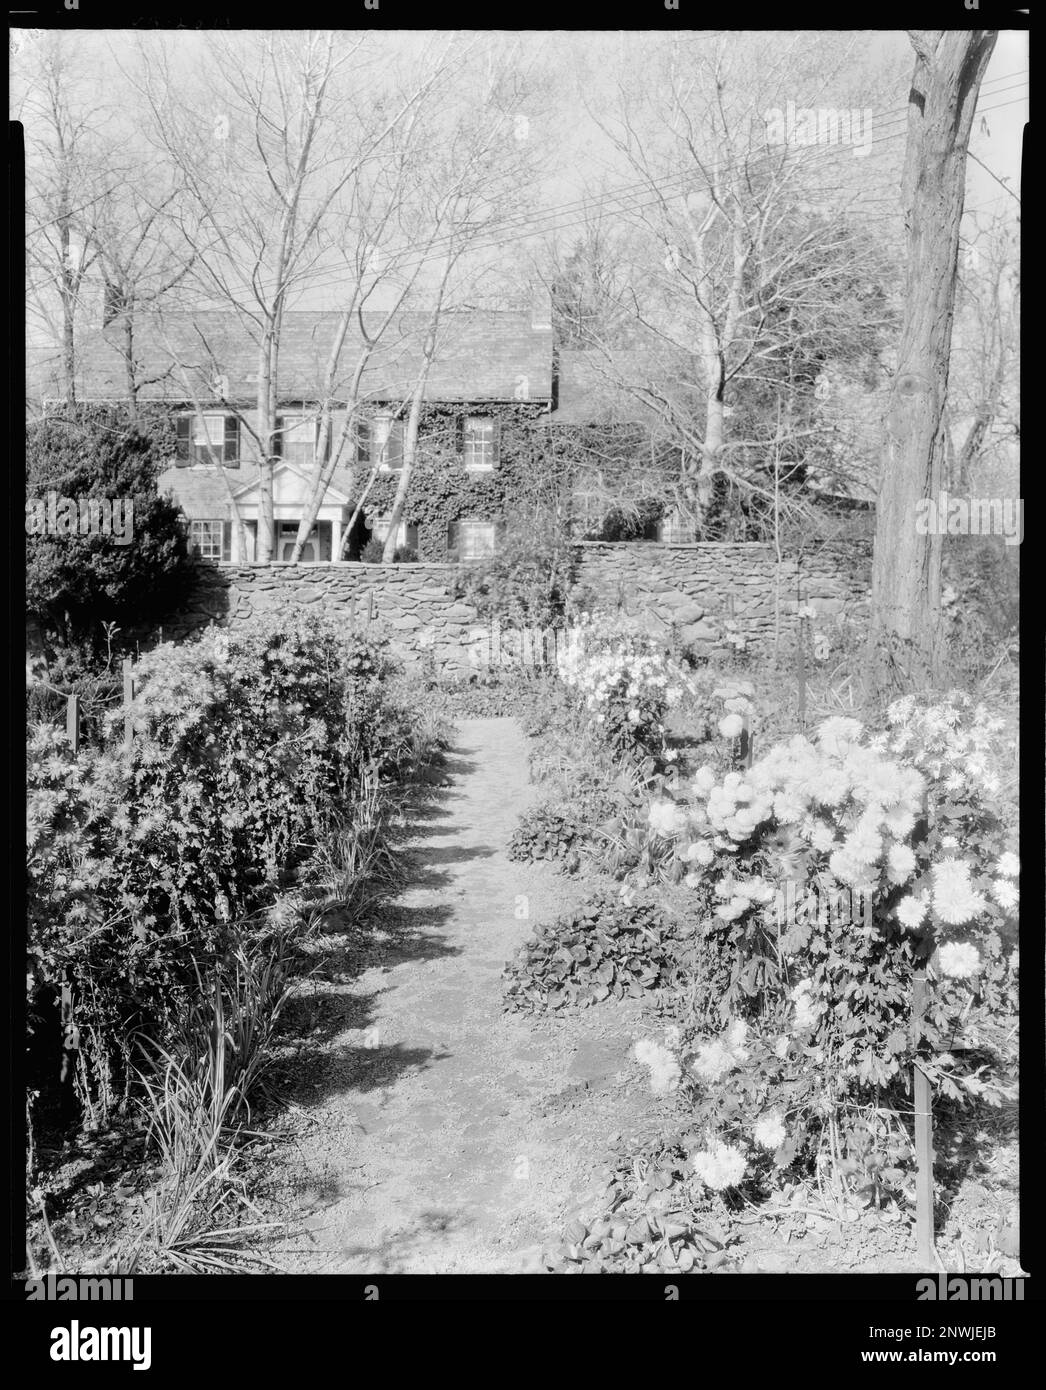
x=183, y=428
x=452, y=534
x=363, y=441
x=232, y=442
x=459, y=437
x=496, y=431
x=226, y=540
x=277, y=438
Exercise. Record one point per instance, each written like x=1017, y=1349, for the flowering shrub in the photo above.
x=890, y=824
x=143, y=859
x=628, y=683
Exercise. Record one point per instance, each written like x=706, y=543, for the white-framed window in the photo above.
x=209, y=438
x=209, y=428
x=473, y=540
x=481, y=443
x=675, y=529
x=386, y=442
x=406, y=535
x=297, y=438
x=207, y=538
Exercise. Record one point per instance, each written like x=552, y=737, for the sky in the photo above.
x=581, y=68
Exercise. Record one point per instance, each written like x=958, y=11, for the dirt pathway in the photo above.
x=450, y=1137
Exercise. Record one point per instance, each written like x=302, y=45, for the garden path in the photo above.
x=451, y=1137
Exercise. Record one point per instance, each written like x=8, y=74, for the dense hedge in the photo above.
x=143, y=860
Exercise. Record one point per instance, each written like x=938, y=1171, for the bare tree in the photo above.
x=747, y=257
x=263, y=172
x=982, y=413
x=141, y=258
x=476, y=173
x=67, y=183
x=904, y=642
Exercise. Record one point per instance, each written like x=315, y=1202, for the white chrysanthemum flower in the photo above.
x=664, y=1069
x=911, y=911
x=704, y=780
x=1009, y=866
x=822, y=837
x=700, y=852
x=665, y=818
x=730, y=725
x=1005, y=893
x=954, y=899
x=832, y=786
x=949, y=842
x=782, y=1045
x=959, y=959
x=900, y=821
x=712, y=1061
x=900, y=862
x=720, y=1167
x=769, y=1131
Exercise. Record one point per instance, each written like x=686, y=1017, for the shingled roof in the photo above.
x=482, y=355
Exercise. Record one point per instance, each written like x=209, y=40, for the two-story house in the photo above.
x=205, y=370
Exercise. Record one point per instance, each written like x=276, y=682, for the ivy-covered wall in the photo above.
x=442, y=490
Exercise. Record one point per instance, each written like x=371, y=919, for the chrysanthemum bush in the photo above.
x=901, y=861
x=638, y=844
x=145, y=859
x=627, y=683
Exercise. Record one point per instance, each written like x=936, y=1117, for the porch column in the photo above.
x=335, y=538
x=234, y=546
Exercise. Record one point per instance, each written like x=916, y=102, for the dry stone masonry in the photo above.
x=695, y=588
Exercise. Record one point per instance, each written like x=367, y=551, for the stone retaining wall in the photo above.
x=700, y=587
x=696, y=588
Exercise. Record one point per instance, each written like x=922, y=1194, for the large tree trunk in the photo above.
x=905, y=639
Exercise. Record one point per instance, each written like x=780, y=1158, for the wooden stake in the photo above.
x=128, y=696
x=745, y=741
x=923, y=1103
x=72, y=722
